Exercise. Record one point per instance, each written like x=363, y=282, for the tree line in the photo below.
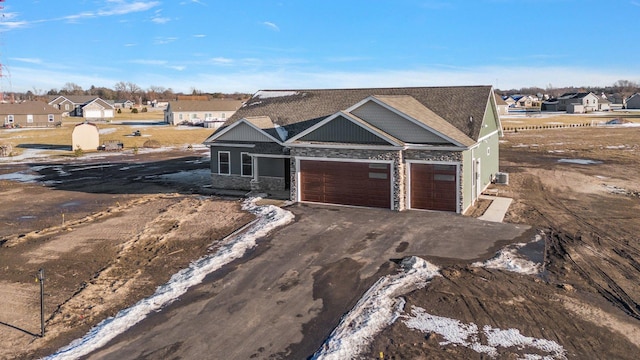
x=621, y=88
x=124, y=91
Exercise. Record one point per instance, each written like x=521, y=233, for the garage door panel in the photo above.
x=347, y=183
x=433, y=187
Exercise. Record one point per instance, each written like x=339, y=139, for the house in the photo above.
x=212, y=113
x=633, y=101
x=509, y=100
x=85, y=136
x=123, y=104
x=87, y=106
x=604, y=104
x=588, y=100
x=433, y=148
x=502, y=106
x=29, y=114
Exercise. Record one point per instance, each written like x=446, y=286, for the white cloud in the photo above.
x=199, y=35
x=271, y=25
x=164, y=40
x=28, y=60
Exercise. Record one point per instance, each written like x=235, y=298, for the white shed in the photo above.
x=85, y=136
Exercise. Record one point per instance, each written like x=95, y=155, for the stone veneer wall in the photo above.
x=448, y=156
x=233, y=182
x=397, y=167
x=266, y=183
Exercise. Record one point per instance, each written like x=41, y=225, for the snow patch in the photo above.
x=378, y=308
x=580, y=161
x=273, y=94
x=268, y=218
x=107, y=131
x=282, y=132
x=457, y=333
x=510, y=259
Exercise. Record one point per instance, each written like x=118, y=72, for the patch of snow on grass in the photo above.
x=457, y=333
x=615, y=189
x=378, y=308
x=21, y=176
x=107, y=131
x=509, y=259
x=268, y=218
x=580, y=161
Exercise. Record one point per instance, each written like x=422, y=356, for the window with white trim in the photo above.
x=29, y=118
x=224, y=163
x=10, y=119
x=50, y=117
x=247, y=164
x=488, y=151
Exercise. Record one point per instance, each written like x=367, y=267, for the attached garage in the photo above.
x=433, y=187
x=346, y=183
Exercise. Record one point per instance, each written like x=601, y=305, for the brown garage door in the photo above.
x=346, y=183
x=433, y=187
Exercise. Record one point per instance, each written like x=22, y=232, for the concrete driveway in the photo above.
x=284, y=298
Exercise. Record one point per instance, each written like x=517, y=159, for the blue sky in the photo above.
x=244, y=46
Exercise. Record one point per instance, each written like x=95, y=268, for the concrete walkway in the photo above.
x=497, y=209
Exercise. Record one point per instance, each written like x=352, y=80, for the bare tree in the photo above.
x=72, y=89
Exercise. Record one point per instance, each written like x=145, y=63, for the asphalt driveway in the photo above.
x=284, y=298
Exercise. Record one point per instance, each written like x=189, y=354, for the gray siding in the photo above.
x=395, y=125
x=244, y=132
x=273, y=167
x=234, y=156
x=341, y=130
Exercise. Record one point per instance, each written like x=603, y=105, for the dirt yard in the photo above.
x=106, y=236
x=580, y=187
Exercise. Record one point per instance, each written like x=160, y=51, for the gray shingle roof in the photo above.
x=28, y=107
x=296, y=110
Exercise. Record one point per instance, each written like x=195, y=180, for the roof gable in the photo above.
x=243, y=131
x=421, y=125
x=345, y=128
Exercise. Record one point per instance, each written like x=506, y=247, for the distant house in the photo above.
x=587, y=99
x=29, y=114
x=211, y=113
x=509, y=100
x=604, y=104
x=502, y=106
x=392, y=148
x=123, y=104
x=86, y=106
x=85, y=136
x=633, y=101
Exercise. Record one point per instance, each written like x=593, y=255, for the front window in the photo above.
x=29, y=118
x=247, y=165
x=10, y=119
x=50, y=117
x=224, y=165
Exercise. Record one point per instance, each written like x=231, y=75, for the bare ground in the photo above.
x=588, y=297
x=112, y=250
x=124, y=236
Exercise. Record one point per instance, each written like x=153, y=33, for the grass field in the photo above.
x=120, y=129
x=561, y=119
